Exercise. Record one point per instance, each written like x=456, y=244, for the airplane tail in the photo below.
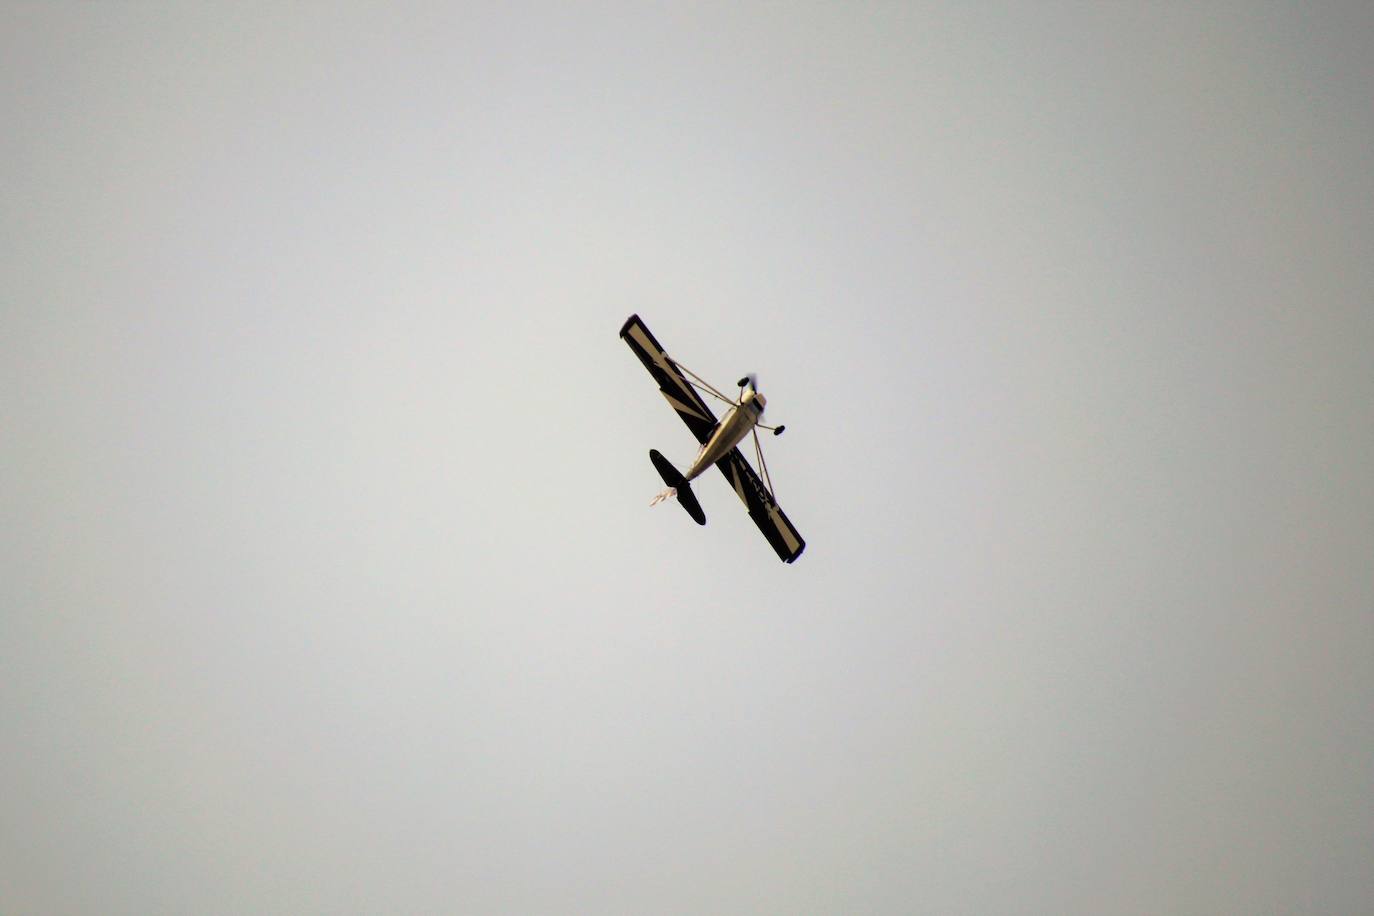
x=677, y=487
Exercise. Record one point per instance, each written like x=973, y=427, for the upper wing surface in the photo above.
x=681, y=396
x=763, y=509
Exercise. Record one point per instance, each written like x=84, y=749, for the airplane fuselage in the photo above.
x=729, y=432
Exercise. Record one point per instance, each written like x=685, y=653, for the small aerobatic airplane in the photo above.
x=718, y=441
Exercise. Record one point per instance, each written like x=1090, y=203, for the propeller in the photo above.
x=752, y=381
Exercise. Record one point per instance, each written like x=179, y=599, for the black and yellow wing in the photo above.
x=763, y=509
x=681, y=396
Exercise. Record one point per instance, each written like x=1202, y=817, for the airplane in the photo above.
x=719, y=441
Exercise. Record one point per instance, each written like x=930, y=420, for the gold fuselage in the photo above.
x=729, y=432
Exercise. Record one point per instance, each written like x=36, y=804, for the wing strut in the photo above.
x=763, y=465
x=704, y=385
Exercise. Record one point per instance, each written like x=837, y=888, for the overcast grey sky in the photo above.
x=328, y=581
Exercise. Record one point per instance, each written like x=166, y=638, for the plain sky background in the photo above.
x=328, y=581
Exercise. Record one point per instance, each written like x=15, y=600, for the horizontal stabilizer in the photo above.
x=679, y=484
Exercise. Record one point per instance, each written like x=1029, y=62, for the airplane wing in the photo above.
x=763, y=509
x=681, y=396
